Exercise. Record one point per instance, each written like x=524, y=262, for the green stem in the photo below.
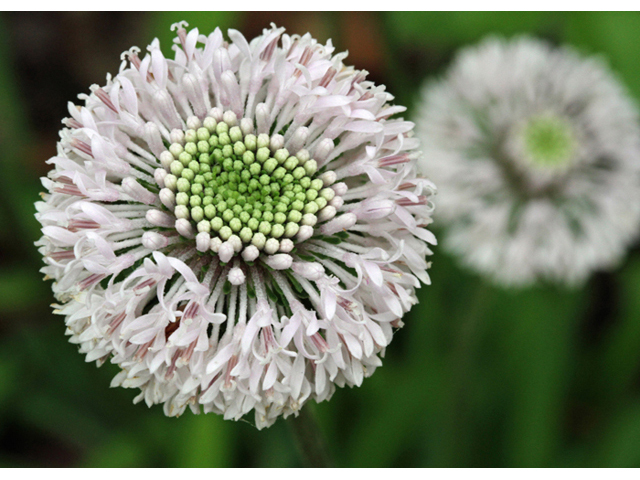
x=459, y=422
x=467, y=336
x=309, y=440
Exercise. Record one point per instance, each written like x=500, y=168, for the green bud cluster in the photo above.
x=549, y=141
x=229, y=183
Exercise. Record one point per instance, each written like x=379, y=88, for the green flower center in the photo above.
x=228, y=183
x=549, y=141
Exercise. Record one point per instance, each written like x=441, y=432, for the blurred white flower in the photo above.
x=238, y=228
x=536, y=154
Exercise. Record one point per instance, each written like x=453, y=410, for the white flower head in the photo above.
x=536, y=153
x=238, y=228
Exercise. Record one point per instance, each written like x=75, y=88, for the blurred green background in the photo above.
x=478, y=377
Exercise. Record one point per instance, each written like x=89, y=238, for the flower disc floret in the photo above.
x=548, y=141
x=226, y=178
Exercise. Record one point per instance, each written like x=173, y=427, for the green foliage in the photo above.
x=206, y=22
x=612, y=35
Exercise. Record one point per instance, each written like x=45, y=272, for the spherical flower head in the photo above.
x=536, y=152
x=238, y=228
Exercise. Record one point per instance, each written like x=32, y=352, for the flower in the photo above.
x=238, y=228
x=536, y=153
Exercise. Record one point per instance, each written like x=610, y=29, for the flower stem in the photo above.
x=309, y=441
x=459, y=415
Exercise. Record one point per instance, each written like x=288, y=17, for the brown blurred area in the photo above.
x=359, y=33
x=58, y=55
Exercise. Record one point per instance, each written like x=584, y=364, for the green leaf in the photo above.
x=205, y=441
x=612, y=34
x=538, y=352
x=19, y=288
x=435, y=29
x=619, y=444
x=119, y=450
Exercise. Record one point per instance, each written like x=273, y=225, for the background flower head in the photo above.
x=536, y=151
x=238, y=228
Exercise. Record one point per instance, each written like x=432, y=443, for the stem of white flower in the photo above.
x=309, y=440
x=463, y=354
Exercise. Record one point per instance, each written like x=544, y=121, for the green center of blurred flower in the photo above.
x=229, y=183
x=549, y=141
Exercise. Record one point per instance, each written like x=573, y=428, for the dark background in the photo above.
x=478, y=377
